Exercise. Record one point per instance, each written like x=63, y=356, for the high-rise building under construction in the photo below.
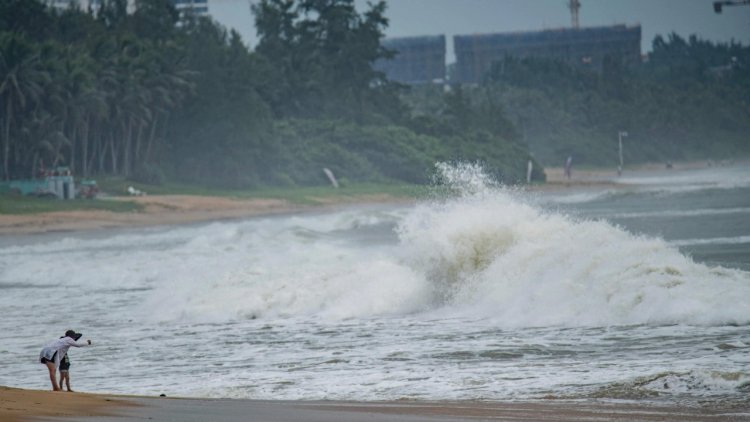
x=475, y=54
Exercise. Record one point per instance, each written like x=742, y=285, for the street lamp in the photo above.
x=621, y=134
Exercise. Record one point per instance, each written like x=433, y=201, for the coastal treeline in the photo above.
x=689, y=100
x=150, y=95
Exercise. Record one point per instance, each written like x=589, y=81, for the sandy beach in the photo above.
x=17, y=405
x=181, y=209
x=157, y=210
x=166, y=210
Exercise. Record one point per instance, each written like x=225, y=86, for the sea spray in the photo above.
x=285, y=268
x=488, y=253
x=463, y=179
x=390, y=302
x=483, y=251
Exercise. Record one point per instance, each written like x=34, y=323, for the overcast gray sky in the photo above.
x=458, y=17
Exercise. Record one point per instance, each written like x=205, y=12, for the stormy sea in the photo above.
x=640, y=292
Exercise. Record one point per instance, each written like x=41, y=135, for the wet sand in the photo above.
x=18, y=405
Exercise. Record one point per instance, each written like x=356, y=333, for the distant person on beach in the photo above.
x=53, y=353
x=569, y=167
x=65, y=372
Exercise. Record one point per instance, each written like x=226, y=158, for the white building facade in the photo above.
x=194, y=7
x=82, y=4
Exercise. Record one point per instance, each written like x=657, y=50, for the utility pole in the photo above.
x=621, y=134
x=575, y=6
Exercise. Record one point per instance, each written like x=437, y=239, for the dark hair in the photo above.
x=72, y=334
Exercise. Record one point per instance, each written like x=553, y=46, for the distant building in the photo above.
x=475, y=54
x=194, y=7
x=61, y=5
x=418, y=60
x=82, y=4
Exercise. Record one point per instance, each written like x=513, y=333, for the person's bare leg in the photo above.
x=52, y=375
x=67, y=380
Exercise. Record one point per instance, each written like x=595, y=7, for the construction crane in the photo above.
x=719, y=4
x=575, y=6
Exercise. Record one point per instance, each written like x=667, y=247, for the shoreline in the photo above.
x=170, y=210
x=19, y=405
x=160, y=210
x=173, y=210
x=157, y=210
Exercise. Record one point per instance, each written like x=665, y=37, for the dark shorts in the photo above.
x=45, y=360
x=65, y=364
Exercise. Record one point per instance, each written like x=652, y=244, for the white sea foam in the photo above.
x=339, y=305
x=660, y=182
x=712, y=241
x=495, y=255
x=686, y=181
x=682, y=213
x=579, y=197
x=483, y=253
x=709, y=382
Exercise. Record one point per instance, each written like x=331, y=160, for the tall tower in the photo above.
x=574, y=6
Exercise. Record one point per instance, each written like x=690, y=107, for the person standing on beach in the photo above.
x=53, y=353
x=65, y=372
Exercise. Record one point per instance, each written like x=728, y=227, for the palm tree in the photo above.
x=21, y=82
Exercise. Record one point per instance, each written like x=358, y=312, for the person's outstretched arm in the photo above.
x=74, y=343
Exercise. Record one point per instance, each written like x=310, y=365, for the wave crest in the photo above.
x=489, y=253
x=483, y=252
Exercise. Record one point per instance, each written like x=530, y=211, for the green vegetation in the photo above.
x=15, y=204
x=142, y=97
x=316, y=195
x=116, y=187
x=301, y=195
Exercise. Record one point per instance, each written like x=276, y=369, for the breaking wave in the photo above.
x=483, y=252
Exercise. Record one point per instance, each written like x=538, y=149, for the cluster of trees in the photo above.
x=150, y=95
x=92, y=93
x=690, y=100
